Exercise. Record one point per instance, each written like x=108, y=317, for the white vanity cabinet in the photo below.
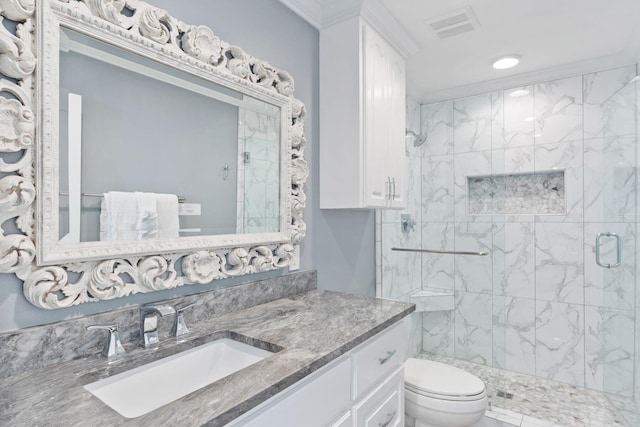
x=362, y=119
x=362, y=388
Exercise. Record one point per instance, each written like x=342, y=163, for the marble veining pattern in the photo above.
x=473, y=327
x=558, y=111
x=399, y=273
x=438, y=269
x=514, y=329
x=519, y=119
x=469, y=164
x=437, y=122
x=512, y=160
x=559, y=261
x=472, y=124
x=609, y=103
x=473, y=273
x=513, y=260
x=438, y=333
x=565, y=156
x=555, y=403
x=610, y=179
x=609, y=350
x=438, y=190
x=42, y=346
x=560, y=342
x=545, y=283
x=312, y=328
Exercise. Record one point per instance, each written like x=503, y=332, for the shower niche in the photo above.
x=534, y=193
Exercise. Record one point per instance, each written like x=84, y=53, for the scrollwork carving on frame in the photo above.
x=79, y=281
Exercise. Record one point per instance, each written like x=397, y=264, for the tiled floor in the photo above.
x=543, y=402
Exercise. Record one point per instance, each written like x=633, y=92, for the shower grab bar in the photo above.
x=433, y=251
x=618, y=250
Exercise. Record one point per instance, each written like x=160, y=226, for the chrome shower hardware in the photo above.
x=407, y=223
x=618, y=250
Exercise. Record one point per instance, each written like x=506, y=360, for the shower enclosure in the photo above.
x=544, y=179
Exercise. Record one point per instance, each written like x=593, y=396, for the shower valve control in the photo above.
x=407, y=223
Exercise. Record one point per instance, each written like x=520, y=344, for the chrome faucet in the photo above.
x=149, y=322
x=179, y=326
x=113, y=346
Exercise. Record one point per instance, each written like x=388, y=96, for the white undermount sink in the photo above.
x=148, y=387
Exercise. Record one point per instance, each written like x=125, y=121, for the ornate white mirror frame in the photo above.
x=58, y=276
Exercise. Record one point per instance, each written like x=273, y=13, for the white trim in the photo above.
x=384, y=22
x=325, y=14
x=309, y=10
x=74, y=167
x=523, y=79
x=339, y=11
x=68, y=44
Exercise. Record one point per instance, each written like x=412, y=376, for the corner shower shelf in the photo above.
x=433, y=300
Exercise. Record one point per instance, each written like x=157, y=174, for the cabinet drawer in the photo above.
x=378, y=359
x=384, y=407
x=344, y=421
x=314, y=404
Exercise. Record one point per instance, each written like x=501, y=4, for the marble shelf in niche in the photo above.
x=533, y=193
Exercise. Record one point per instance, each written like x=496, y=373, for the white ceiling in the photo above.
x=554, y=37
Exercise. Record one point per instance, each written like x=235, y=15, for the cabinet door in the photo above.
x=384, y=122
x=376, y=82
x=384, y=406
x=397, y=159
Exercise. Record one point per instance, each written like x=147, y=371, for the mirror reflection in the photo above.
x=150, y=152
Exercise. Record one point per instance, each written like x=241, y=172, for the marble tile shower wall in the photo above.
x=258, y=209
x=398, y=269
x=538, y=304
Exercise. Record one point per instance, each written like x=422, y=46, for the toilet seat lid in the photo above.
x=434, y=378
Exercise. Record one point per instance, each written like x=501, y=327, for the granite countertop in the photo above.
x=310, y=330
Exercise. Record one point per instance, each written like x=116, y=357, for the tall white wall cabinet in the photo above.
x=362, y=114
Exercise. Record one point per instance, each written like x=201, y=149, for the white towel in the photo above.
x=118, y=216
x=147, y=223
x=168, y=221
x=138, y=216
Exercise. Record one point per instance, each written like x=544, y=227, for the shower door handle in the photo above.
x=618, y=250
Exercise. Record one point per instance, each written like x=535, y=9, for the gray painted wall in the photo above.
x=339, y=244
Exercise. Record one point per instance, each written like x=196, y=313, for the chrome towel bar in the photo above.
x=433, y=251
x=181, y=199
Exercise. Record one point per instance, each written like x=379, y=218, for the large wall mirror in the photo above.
x=141, y=153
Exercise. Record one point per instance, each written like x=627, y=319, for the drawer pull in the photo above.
x=384, y=360
x=391, y=417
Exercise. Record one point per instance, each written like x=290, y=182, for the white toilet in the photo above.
x=440, y=395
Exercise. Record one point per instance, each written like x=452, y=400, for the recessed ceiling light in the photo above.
x=519, y=92
x=506, y=62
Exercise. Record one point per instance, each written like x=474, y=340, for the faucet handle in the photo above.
x=179, y=326
x=113, y=346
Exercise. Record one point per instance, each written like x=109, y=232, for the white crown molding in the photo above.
x=309, y=10
x=523, y=79
x=381, y=19
x=324, y=13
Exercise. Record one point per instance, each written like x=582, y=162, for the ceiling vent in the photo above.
x=454, y=23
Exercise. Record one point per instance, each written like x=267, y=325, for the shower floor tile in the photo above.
x=554, y=402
